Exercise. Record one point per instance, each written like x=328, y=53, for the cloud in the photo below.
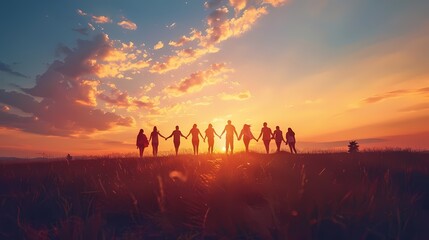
x=239, y=96
x=158, y=45
x=197, y=81
x=148, y=88
x=184, y=39
x=108, y=61
x=184, y=56
x=7, y=69
x=101, y=19
x=275, y=3
x=127, y=24
x=395, y=94
x=63, y=102
x=416, y=108
x=80, y=12
x=5, y=108
x=220, y=28
x=171, y=25
x=238, y=4
x=120, y=99
x=212, y=3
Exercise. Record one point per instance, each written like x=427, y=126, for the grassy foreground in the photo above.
x=377, y=195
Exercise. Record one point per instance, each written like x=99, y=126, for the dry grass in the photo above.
x=372, y=195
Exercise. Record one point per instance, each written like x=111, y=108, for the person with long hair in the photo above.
x=290, y=140
x=267, y=135
x=210, y=132
x=141, y=142
x=247, y=136
x=176, y=134
x=155, y=142
x=230, y=130
x=278, y=137
x=195, y=138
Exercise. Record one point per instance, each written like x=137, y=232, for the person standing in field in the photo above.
x=230, y=130
x=290, y=139
x=278, y=137
x=141, y=142
x=247, y=136
x=267, y=135
x=210, y=132
x=195, y=138
x=176, y=134
x=154, y=138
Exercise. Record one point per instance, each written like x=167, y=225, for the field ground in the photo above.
x=374, y=195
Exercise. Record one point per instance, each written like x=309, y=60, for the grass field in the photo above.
x=373, y=195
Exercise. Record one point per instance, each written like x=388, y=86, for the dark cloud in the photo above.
x=63, y=102
x=6, y=68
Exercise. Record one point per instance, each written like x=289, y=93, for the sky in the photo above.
x=82, y=77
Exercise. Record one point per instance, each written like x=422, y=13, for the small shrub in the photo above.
x=353, y=146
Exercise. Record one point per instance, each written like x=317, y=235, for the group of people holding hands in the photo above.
x=267, y=135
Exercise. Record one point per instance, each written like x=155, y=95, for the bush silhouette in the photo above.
x=353, y=146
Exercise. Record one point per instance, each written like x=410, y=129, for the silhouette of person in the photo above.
x=141, y=142
x=176, y=134
x=290, y=139
x=247, y=136
x=267, y=135
x=210, y=132
x=154, y=138
x=278, y=137
x=230, y=130
x=195, y=138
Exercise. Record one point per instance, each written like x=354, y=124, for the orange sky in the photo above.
x=333, y=71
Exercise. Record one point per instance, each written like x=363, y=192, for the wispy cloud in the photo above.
x=80, y=12
x=172, y=25
x=395, y=94
x=158, y=45
x=101, y=19
x=275, y=3
x=220, y=28
x=197, y=81
x=184, y=56
x=416, y=108
x=120, y=99
x=7, y=69
x=241, y=96
x=127, y=24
